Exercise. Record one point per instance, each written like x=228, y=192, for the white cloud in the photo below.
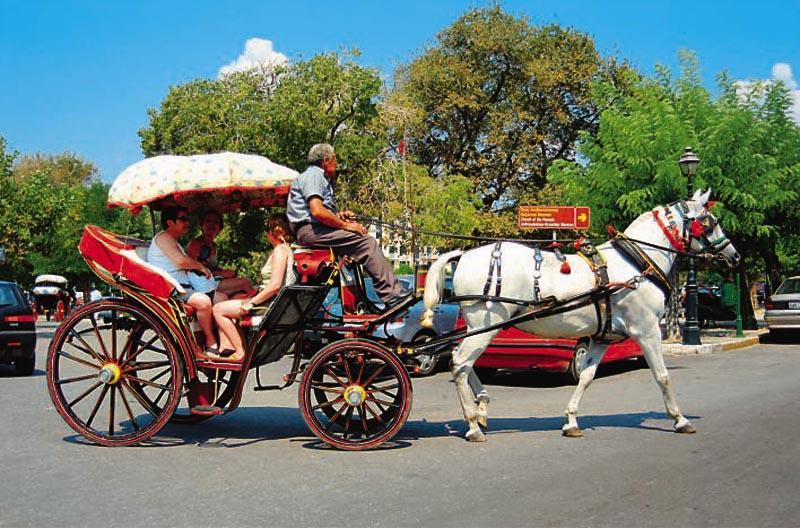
x=780, y=72
x=258, y=54
x=783, y=72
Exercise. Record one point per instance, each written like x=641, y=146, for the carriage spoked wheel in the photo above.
x=225, y=381
x=355, y=394
x=114, y=373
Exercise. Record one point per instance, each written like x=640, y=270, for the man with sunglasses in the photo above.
x=166, y=253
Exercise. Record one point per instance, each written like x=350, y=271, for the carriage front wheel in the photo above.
x=116, y=382
x=355, y=394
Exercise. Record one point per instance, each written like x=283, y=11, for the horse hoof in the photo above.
x=476, y=436
x=687, y=428
x=572, y=432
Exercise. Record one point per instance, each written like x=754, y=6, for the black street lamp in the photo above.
x=691, y=327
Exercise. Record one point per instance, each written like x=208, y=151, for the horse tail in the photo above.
x=433, y=286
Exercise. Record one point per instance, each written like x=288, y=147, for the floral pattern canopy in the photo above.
x=224, y=182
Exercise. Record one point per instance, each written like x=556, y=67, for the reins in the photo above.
x=530, y=241
x=444, y=234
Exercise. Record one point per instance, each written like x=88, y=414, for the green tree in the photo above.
x=43, y=212
x=328, y=98
x=497, y=100
x=750, y=152
x=205, y=116
x=65, y=168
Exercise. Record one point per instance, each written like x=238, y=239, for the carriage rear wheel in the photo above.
x=116, y=382
x=355, y=394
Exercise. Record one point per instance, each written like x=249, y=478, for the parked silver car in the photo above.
x=782, y=313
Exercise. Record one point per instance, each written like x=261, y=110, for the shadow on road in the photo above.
x=423, y=429
x=252, y=425
x=8, y=371
x=780, y=338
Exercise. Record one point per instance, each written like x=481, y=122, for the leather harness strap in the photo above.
x=634, y=254
x=494, y=264
x=537, y=273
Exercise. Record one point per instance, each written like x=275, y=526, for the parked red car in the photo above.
x=515, y=349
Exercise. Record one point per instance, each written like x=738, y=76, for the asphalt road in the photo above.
x=260, y=466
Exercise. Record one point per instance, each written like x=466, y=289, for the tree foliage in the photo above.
x=66, y=168
x=497, y=100
x=748, y=146
x=43, y=212
x=323, y=99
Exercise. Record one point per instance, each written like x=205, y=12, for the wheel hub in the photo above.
x=110, y=373
x=354, y=395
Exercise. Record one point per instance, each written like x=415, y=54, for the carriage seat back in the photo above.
x=313, y=264
x=291, y=311
x=121, y=258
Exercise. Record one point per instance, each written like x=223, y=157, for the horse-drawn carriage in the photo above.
x=51, y=293
x=120, y=381
x=117, y=382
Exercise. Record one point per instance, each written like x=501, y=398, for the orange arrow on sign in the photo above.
x=582, y=217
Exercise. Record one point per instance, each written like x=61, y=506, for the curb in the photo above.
x=678, y=349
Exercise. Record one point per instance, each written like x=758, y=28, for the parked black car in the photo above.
x=711, y=306
x=17, y=329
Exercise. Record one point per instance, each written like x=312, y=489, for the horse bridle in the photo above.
x=698, y=228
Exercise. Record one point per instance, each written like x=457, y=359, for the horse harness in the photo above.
x=597, y=264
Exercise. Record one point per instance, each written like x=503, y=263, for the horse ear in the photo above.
x=696, y=195
x=704, y=197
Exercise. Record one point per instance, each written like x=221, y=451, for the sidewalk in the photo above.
x=714, y=340
x=720, y=339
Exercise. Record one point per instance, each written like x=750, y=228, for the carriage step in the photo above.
x=221, y=365
x=206, y=410
x=267, y=387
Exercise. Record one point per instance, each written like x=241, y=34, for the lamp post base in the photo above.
x=691, y=335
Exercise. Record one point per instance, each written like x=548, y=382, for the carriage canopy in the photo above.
x=226, y=181
x=56, y=280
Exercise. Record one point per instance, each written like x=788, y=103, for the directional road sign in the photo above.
x=554, y=217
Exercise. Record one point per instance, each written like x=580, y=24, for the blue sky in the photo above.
x=80, y=76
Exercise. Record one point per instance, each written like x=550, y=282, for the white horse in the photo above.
x=635, y=310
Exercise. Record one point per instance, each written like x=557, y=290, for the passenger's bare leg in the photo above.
x=225, y=313
x=202, y=303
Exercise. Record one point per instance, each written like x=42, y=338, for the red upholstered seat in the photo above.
x=309, y=262
x=117, y=255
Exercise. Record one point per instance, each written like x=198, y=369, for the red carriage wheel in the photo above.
x=115, y=383
x=355, y=394
x=60, y=311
